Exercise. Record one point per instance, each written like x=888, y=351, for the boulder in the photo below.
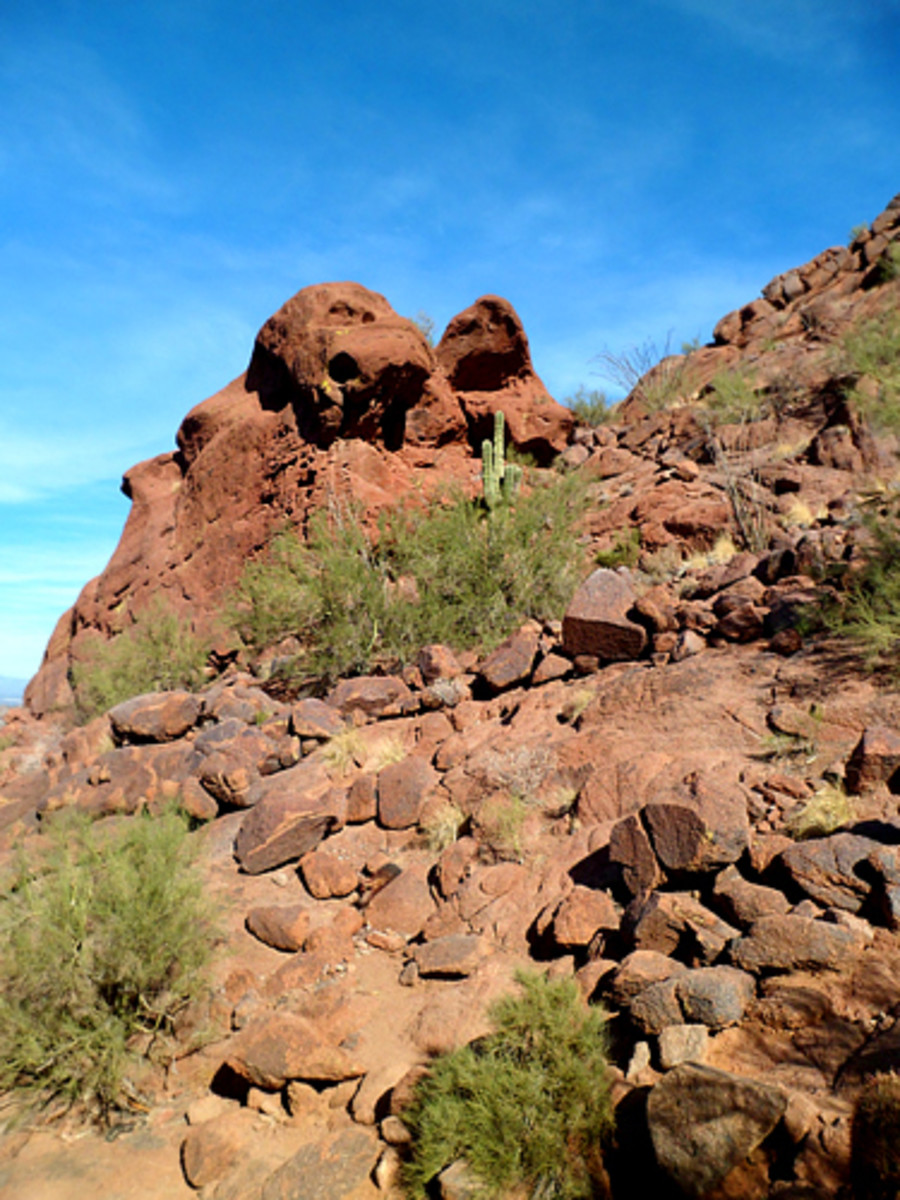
x=343, y=360
x=281, y=926
x=671, y=922
x=326, y=875
x=794, y=942
x=741, y=902
x=156, y=717
x=311, y=718
x=211, y=1148
x=714, y=996
x=372, y=696
x=294, y=811
x=580, y=916
x=511, y=662
x=629, y=846
x=705, y=1122
x=404, y=904
x=336, y=1167
x=698, y=838
x=282, y=1046
x=875, y=758
x=402, y=790
x=597, y=622
x=638, y=971
x=682, y=1043
x=437, y=662
x=828, y=869
x=455, y=955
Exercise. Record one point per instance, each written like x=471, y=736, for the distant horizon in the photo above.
x=172, y=173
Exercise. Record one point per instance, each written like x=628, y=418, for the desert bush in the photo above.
x=732, y=400
x=655, y=376
x=105, y=938
x=874, y=1138
x=870, y=352
x=450, y=573
x=527, y=1106
x=624, y=552
x=424, y=322
x=590, y=407
x=274, y=596
x=160, y=651
x=868, y=612
x=888, y=266
x=441, y=826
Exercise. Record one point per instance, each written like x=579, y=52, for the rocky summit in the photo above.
x=681, y=793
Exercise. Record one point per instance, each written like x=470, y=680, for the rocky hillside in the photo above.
x=683, y=796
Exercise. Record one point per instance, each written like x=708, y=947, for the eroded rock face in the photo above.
x=342, y=400
x=343, y=360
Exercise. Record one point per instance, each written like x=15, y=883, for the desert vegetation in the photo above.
x=527, y=1106
x=867, y=611
x=451, y=572
x=104, y=941
x=869, y=353
x=159, y=651
x=876, y=1128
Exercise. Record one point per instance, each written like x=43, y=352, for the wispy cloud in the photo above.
x=789, y=31
x=64, y=112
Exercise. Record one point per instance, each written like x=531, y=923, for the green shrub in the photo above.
x=732, y=399
x=624, y=552
x=106, y=939
x=451, y=573
x=590, y=407
x=160, y=651
x=871, y=351
x=528, y=1105
x=868, y=613
x=888, y=266
x=875, y=1136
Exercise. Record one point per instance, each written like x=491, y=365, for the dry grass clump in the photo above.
x=828, y=810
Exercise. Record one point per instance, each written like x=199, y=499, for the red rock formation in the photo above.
x=343, y=401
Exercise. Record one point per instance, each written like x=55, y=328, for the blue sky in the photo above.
x=170, y=172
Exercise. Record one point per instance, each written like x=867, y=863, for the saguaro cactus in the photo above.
x=499, y=481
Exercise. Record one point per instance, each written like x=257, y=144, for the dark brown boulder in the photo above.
x=292, y=813
x=512, y=661
x=597, y=620
x=484, y=347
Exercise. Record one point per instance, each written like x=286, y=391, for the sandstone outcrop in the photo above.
x=343, y=401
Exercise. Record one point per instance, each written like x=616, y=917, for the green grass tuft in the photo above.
x=528, y=1105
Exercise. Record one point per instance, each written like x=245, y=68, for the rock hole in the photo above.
x=343, y=367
